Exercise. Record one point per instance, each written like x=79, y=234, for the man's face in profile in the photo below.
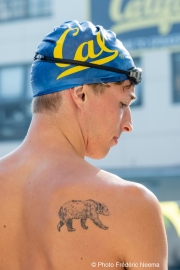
x=107, y=115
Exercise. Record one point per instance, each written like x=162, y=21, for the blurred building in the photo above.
x=151, y=31
x=23, y=24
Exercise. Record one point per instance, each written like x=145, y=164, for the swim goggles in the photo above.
x=134, y=74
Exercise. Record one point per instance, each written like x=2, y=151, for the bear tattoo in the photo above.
x=82, y=210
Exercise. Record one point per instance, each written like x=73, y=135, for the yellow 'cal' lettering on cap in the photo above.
x=58, y=53
x=91, y=54
x=58, y=50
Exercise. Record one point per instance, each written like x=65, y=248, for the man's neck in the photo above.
x=50, y=133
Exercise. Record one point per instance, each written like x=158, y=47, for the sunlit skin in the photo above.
x=107, y=116
x=49, y=169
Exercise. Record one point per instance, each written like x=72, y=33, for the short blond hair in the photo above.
x=51, y=103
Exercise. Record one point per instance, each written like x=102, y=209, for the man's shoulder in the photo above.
x=132, y=189
x=138, y=200
x=136, y=214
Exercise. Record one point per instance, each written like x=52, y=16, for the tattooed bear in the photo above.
x=82, y=210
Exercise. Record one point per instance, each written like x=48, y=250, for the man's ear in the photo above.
x=78, y=95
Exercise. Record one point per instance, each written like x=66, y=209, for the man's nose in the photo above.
x=126, y=124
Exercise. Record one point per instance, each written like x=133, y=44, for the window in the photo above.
x=20, y=9
x=11, y=82
x=138, y=87
x=15, y=99
x=176, y=77
x=39, y=7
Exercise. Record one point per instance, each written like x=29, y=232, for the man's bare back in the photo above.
x=58, y=211
x=32, y=192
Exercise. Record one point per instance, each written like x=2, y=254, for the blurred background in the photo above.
x=150, y=30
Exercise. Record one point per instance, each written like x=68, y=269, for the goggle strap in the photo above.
x=79, y=63
x=134, y=74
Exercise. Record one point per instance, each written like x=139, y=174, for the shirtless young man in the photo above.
x=58, y=212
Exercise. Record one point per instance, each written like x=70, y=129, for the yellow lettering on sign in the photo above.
x=78, y=54
x=139, y=14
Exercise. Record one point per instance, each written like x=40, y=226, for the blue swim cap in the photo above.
x=83, y=42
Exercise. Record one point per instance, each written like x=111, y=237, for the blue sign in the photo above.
x=140, y=23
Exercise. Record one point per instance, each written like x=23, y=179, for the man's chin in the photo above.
x=96, y=155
